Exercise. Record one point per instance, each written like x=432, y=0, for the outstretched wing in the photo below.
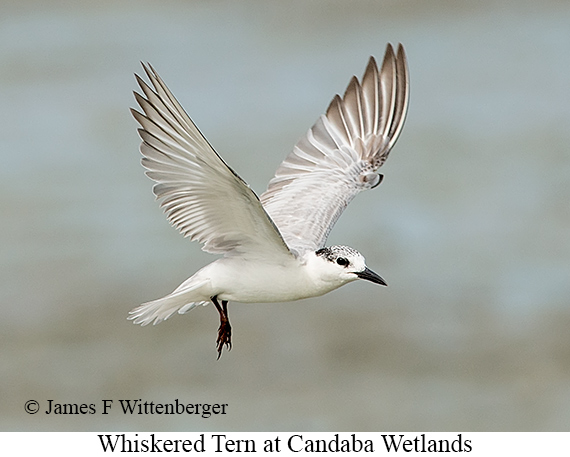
x=340, y=154
x=201, y=196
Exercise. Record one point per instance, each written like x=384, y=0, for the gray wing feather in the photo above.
x=340, y=155
x=201, y=196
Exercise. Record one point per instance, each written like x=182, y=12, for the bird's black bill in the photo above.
x=369, y=275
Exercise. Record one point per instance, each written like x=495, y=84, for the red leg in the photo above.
x=225, y=329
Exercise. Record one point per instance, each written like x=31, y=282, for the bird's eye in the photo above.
x=342, y=261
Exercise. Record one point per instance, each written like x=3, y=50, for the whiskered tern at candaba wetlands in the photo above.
x=273, y=246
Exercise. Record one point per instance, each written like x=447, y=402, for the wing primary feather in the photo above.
x=370, y=96
x=336, y=118
x=387, y=87
x=402, y=95
x=349, y=108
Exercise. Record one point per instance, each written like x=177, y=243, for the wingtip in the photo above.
x=352, y=85
x=134, y=111
x=389, y=58
x=139, y=80
x=389, y=53
x=334, y=104
x=371, y=68
x=401, y=56
x=145, y=69
x=149, y=70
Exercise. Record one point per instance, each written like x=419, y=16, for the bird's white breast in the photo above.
x=235, y=279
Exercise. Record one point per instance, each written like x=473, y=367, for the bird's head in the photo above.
x=343, y=264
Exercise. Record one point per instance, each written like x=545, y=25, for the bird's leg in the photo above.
x=225, y=329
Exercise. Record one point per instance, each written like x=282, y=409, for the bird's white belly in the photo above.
x=252, y=282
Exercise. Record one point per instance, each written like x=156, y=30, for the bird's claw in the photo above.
x=224, y=337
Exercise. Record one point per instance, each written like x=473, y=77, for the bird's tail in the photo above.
x=156, y=311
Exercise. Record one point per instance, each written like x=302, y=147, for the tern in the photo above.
x=273, y=246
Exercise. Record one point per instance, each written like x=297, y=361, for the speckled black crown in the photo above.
x=331, y=253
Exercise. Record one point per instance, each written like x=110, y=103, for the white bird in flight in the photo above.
x=273, y=246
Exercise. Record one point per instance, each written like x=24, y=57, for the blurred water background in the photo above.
x=471, y=226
